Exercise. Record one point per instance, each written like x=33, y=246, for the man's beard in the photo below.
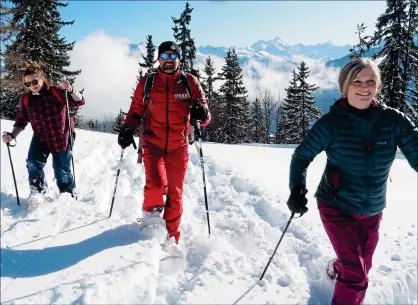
x=169, y=67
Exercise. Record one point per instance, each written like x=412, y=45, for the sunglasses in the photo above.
x=32, y=83
x=172, y=56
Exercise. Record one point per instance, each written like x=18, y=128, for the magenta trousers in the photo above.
x=354, y=239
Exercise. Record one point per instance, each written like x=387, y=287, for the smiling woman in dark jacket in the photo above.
x=360, y=136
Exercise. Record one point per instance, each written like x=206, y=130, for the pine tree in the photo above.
x=397, y=27
x=118, y=123
x=148, y=64
x=309, y=112
x=212, y=98
x=93, y=124
x=298, y=110
x=289, y=119
x=360, y=49
x=280, y=125
x=149, y=59
x=234, y=122
x=182, y=35
x=411, y=63
x=257, y=127
x=37, y=39
x=10, y=90
x=209, y=79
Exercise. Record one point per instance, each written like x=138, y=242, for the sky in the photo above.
x=103, y=30
x=67, y=252
x=225, y=23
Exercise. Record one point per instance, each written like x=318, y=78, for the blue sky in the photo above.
x=225, y=23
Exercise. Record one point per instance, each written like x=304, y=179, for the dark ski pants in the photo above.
x=164, y=173
x=354, y=239
x=61, y=162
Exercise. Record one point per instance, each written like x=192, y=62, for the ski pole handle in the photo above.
x=5, y=133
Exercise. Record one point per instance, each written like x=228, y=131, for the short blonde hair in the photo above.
x=350, y=70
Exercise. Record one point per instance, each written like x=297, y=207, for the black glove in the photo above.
x=125, y=137
x=198, y=113
x=297, y=201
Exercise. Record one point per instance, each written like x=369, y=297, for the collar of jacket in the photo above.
x=370, y=114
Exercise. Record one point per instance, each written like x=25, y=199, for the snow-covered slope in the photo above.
x=71, y=253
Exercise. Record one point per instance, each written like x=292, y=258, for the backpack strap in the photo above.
x=149, y=83
x=186, y=83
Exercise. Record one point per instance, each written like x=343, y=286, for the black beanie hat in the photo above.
x=169, y=46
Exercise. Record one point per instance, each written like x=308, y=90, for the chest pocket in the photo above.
x=383, y=140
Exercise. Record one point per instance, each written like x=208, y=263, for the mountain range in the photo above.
x=267, y=64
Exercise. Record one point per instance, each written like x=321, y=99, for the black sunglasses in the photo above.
x=165, y=56
x=32, y=83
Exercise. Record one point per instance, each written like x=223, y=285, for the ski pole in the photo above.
x=202, y=165
x=117, y=176
x=71, y=136
x=116, y=183
x=11, y=164
x=271, y=257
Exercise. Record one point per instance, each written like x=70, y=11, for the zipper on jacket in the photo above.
x=369, y=151
x=167, y=122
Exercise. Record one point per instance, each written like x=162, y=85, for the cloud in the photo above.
x=259, y=77
x=108, y=73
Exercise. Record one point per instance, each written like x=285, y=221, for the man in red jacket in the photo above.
x=166, y=115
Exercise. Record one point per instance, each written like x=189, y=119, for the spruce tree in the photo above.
x=37, y=39
x=93, y=124
x=234, y=104
x=212, y=98
x=209, y=79
x=118, y=123
x=258, y=129
x=309, y=112
x=289, y=113
x=10, y=89
x=280, y=125
x=149, y=59
x=363, y=45
x=182, y=35
x=397, y=27
x=148, y=64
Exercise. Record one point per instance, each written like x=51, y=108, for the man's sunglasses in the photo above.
x=32, y=83
x=172, y=56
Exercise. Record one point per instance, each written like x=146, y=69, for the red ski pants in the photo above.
x=163, y=170
x=354, y=239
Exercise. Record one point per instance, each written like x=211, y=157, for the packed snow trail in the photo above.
x=72, y=253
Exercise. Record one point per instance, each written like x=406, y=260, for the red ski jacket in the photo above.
x=166, y=115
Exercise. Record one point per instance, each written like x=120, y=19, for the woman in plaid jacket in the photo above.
x=45, y=107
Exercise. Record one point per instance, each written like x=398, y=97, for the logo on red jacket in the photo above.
x=181, y=96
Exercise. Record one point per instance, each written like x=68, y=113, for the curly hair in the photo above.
x=33, y=67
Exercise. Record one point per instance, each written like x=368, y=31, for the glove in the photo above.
x=125, y=137
x=297, y=201
x=198, y=113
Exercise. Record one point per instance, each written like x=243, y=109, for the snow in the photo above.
x=70, y=251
